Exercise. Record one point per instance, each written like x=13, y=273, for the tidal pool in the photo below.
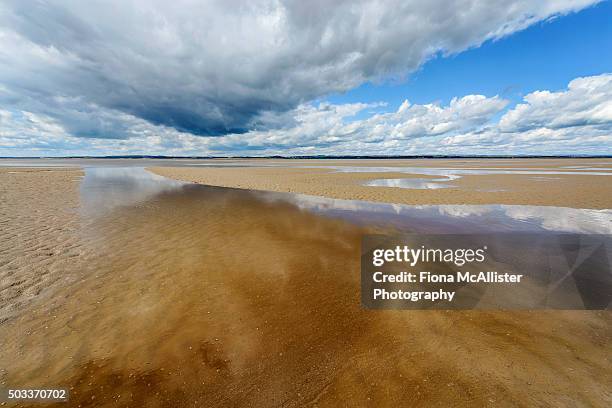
x=109, y=187
x=412, y=183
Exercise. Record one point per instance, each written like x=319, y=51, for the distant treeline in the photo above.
x=326, y=157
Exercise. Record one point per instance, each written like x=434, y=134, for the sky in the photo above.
x=231, y=78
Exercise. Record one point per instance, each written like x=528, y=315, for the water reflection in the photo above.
x=412, y=183
x=106, y=188
x=460, y=218
x=451, y=172
x=208, y=296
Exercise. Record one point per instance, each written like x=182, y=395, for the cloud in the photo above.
x=462, y=114
x=586, y=102
x=326, y=126
x=215, y=68
x=26, y=131
x=575, y=120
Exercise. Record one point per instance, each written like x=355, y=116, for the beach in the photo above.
x=39, y=239
x=280, y=204
x=222, y=297
x=542, y=182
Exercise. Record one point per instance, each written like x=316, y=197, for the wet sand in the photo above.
x=206, y=296
x=38, y=233
x=560, y=190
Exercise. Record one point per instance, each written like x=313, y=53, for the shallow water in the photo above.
x=412, y=183
x=105, y=188
x=447, y=172
x=194, y=295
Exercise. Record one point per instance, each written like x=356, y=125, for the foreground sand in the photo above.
x=38, y=234
x=213, y=297
x=576, y=191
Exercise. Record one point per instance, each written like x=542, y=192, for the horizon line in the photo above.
x=139, y=156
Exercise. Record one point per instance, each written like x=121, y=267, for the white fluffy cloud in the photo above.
x=466, y=125
x=330, y=128
x=576, y=120
x=586, y=102
x=154, y=77
x=219, y=67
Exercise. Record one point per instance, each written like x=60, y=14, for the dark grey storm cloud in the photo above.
x=218, y=67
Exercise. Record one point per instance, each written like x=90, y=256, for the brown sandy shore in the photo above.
x=213, y=297
x=38, y=233
x=576, y=191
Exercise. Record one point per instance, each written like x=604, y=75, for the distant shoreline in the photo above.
x=443, y=157
x=564, y=187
